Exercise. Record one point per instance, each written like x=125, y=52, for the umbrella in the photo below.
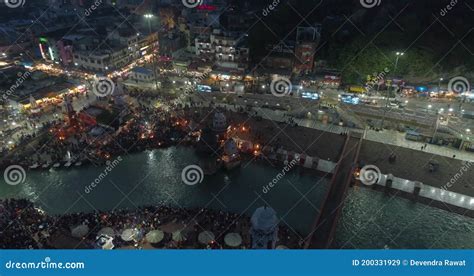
x=178, y=236
x=155, y=236
x=107, y=231
x=80, y=231
x=206, y=237
x=129, y=234
x=233, y=239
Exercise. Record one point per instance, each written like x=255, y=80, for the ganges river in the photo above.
x=369, y=218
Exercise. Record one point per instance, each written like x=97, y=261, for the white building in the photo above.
x=124, y=49
x=228, y=50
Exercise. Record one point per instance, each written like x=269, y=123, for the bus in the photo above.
x=357, y=89
x=349, y=98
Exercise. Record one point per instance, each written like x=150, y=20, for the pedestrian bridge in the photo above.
x=324, y=226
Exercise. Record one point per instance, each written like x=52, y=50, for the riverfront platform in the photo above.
x=452, y=174
x=309, y=141
x=420, y=176
x=410, y=164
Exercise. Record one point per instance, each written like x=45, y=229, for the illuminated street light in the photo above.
x=149, y=16
x=399, y=54
x=468, y=130
x=430, y=106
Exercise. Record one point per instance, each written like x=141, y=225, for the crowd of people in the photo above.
x=145, y=127
x=24, y=226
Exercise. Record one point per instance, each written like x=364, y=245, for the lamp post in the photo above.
x=399, y=54
x=439, y=85
x=149, y=17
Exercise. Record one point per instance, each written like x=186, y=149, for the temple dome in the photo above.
x=264, y=219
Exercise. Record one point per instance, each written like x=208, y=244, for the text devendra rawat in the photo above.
x=437, y=263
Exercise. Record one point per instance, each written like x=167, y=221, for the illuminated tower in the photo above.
x=219, y=122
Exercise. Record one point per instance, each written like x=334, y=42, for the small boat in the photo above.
x=34, y=166
x=56, y=165
x=78, y=164
x=45, y=166
x=68, y=164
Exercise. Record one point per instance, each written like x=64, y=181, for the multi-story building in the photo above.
x=227, y=50
x=138, y=43
x=54, y=48
x=102, y=60
x=124, y=46
x=307, y=40
x=295, y=55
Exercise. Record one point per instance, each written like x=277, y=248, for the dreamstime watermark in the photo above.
x=266, y=11
x=19, y=81
x=192, y=175
x=14, y=3
x=110, y=165
x=370, y=175
x=92, y=8
x=45, y=264
x=14, y=175
x=448, y=7
x=103, y=87
x=376, y=78
x=370, y=3
x=281, y=86
x=279, y=176
x=192, y=3
x=459, y=85
x=464, y=169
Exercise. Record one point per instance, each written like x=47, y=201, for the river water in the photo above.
x=369, y=219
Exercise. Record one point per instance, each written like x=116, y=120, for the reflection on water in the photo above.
x=369, y=220
x=154, y=177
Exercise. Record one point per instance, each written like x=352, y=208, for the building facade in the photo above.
x=227, y=50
